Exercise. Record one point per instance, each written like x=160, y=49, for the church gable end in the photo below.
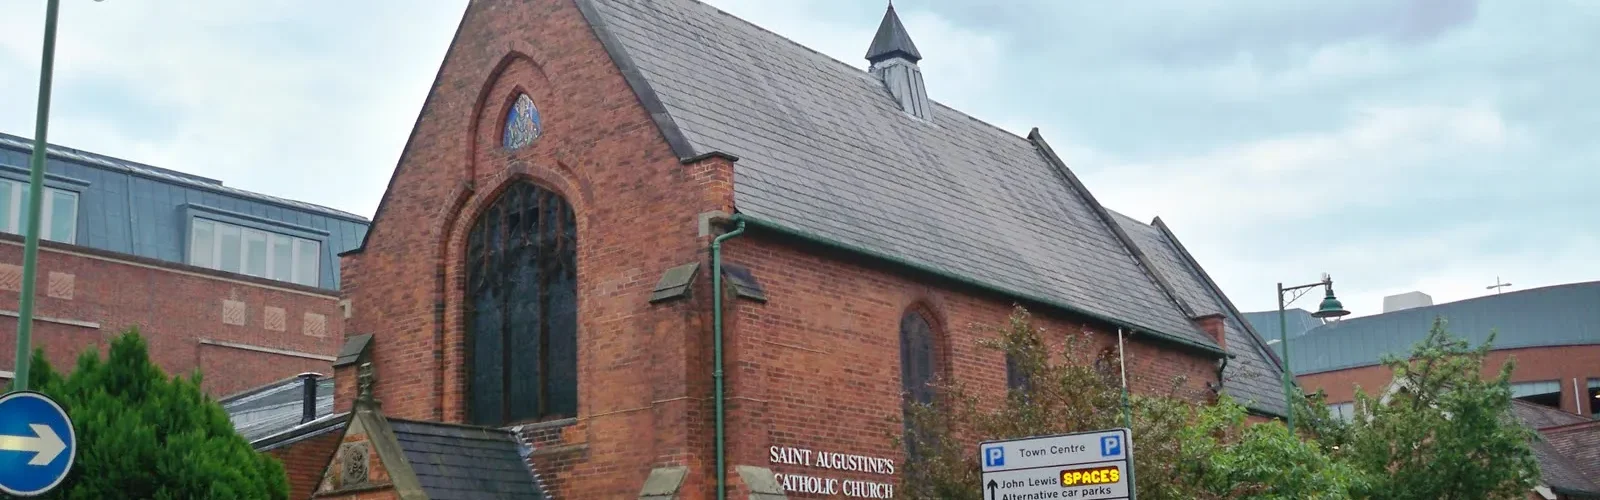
x=536, y=129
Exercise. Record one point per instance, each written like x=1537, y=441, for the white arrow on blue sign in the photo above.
x=37, y=444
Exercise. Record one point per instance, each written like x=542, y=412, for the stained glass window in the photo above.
x=916, y=357
x=522, y=302
x=522, y=123
x=917, y=368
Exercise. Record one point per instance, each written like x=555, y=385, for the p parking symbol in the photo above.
x=994, y=456
x=1110, y=446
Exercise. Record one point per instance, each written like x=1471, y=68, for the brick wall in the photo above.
x=1535, y=364
x=305, y=461
x=818, y=365
x=600, y=150
x=221, y=323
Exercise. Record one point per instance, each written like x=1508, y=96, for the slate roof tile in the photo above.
x=824, y=149
x=456, y=461
x=1559, y=472
x=1253, y=377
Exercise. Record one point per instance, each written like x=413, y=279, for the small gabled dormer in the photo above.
x=894, y=61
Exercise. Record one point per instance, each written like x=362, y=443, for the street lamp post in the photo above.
x=1330, y=308
x=30, y=248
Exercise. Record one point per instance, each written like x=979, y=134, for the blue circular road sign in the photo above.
x=37, y=444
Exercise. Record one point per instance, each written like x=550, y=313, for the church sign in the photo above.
x=820, y=478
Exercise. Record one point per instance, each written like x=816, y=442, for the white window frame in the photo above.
x=297, y=243
x=15, y=223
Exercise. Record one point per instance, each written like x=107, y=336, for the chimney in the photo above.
x=894, y=61
x=308, y=403
x=1214, y=325
x=1405, y=301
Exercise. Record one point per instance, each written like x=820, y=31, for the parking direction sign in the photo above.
x=37, y=444
x=1082, y=466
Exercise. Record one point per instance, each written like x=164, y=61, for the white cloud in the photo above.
x=961, y=65
x=1305, y=176
x=1245, y=140
x=258, y=95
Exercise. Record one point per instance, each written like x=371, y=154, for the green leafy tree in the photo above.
x=1444, y=431
x=1184, y=449
x=144, y=435
x=1224, y=456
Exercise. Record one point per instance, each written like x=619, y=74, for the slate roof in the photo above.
x=166, y=175
x=824, y=150
x=1568, y=450
x=1541, y=417
x=1558, y=472
x=1254, y=377
x=1549, y=316
x=465, y=462
x=1580, y=444
x=275, y=407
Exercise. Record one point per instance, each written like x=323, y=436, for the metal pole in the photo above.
x=1288, y=376
x=30, y=250
x=1127, y=412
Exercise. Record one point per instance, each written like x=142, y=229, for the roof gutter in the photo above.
x=811, y=237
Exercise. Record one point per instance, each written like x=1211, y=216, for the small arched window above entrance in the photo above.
x=523, y=125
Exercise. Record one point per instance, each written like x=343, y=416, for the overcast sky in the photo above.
x=1425, y=145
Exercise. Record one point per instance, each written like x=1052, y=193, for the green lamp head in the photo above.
x=1330, y=308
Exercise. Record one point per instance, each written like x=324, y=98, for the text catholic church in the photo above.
x=540, y=281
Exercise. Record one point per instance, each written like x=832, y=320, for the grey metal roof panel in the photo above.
x=275, y=407
x=1550, y=316
x=462, y=462
x=824, y=149
x=1252, y=377
x=170, y=176
x=1298, y=320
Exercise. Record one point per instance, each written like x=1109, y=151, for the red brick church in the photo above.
x=600, y=198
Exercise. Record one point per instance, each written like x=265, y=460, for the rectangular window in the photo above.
x=282, y=251
x=228, y=254
x=255, y=253
x=307, y=255
x=58, y=218
x=1594, y=398
x=1343, y=411
x=1544, y=392
x=227, y=247
x=202, y=244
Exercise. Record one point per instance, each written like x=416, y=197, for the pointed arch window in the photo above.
x=523, y=123
x=916, y=357
x=917, y=369
x=522, y=309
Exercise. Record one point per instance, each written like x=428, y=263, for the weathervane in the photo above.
x=1497, y=286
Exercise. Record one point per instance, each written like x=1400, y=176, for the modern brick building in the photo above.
x=585, y=172
x=1552, y=333
x=239, y=285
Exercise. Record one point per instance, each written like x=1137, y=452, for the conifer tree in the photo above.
x=142, y=434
